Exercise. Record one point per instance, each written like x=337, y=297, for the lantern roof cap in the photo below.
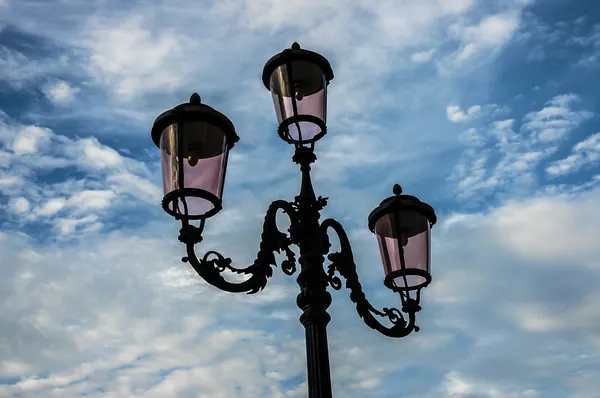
x=194, y=110
x=295, y=53
x=401, y=202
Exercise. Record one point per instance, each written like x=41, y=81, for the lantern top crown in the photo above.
x=295, y=53
x=195, y=99
x=397, y=190
x=401, y=202
x=194, y=110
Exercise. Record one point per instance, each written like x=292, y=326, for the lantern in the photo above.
x=402, y=225
x=194, y=141
x=298, y=81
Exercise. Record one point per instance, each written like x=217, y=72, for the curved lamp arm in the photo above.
x=343, y=263
x=213, y=263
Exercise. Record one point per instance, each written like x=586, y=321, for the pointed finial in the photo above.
x=397, y=190
x=195, y=99
x=295, y=46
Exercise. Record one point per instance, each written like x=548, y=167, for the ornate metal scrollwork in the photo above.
x=334, y=281
x=273, y=241
x=343, y=263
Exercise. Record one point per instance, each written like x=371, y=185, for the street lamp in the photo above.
x=194, y=141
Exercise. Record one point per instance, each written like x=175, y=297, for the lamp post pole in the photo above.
x=194, y=140
x=314, y=299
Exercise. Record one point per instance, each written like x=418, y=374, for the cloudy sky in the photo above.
x=487, y=110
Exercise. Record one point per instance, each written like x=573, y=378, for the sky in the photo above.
x=487, y=110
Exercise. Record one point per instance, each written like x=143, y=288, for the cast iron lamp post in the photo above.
x=194, y=141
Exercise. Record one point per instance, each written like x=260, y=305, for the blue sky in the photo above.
x=486, y=109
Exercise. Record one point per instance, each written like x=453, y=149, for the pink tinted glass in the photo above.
x=414, y=236
x=204, y=144
x=311, y=84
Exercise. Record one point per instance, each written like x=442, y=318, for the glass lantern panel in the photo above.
x=204, y=162
x=405, y=233
x=310, y=91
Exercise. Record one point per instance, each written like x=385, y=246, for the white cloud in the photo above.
x=563, y=100
x=472, y=137
x=136, y=186
x=97, y=155
x=584, y=154
x=30, y=139
x=491, y=32
x=515, y=154
x=590, y=44
x=456, y=7
x=91, y=200
x=16, y=69
x=133, y=59
x=536, y=55
x=19, y=205
x=457, y=385
x=115, y=337
x=528, y=243
x=539, y=317
x=495, y=29
x=54, y=151
x=543, y=236
x=349, y=151
x=132, y=55
x=10, y=181
x=51, y=207
x=67, y=226
x=531, y=318
x=422, y=56
x=476, y=173
x=80, y=208
x=81, y=202
x=455, y=114
x=556, y=119
x=60, y=92
x=591, y=143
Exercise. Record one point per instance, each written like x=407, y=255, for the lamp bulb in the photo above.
x=192, y=160
x=298, y=92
